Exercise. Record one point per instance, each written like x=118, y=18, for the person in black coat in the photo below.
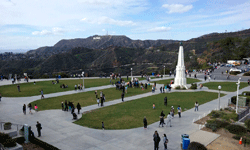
x=166, y=101
x=39, y=128
x=102, y=99
x=145, y=122
x=24, y=109
x=78, y=106
x=156, y=139
x=122, y=95
x=66, y=106
x=72, y=108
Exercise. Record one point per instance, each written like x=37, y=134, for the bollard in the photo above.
x=204, y=114
x=193, y=120
x=26, y=133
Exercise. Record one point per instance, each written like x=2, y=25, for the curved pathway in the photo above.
x=58, y=129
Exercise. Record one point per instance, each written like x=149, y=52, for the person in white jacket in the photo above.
x=169, y=118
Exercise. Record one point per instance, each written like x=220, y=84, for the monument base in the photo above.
x=181, y=86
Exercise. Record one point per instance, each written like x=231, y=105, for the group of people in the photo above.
x=101, y=99
x=157, y=139
x=165, y=88
x=79, y=86
x=69, y=106
x=30, y=108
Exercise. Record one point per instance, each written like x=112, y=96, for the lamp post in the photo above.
x=131, y=73
x=219, y=87
x=238, y=86
x=164, y=72
x=83, y=80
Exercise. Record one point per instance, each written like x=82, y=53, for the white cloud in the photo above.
x=159, y=29
x=177, y=8
x=54, y=31
x=103, y=30
x=107, y=20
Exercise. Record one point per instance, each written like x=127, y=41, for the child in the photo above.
x=36, y=108
x=102, y=125
x=153, y=105
x=98, y=101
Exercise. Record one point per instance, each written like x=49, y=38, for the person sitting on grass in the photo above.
x=153, y=105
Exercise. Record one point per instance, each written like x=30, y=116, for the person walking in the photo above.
x=179, y=111
x=102, y=125
x=63, y=107
x=165, y=141
x=18, y=88
x=78, y=106
x=30, y=107
x=196, y=105
x=66, y=106
x=156, y=139
x=122, y=95
x=161, y=121
x=39, y=128
x=98, y=101
x=172, y=111
x=145, y=122
x=24, y=109
x=169, y=117
x=0, y=97
x=75, y=87
x=162, y=115
x=165, y=100
x=42, y=96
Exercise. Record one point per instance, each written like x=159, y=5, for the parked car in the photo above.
x=235, y=69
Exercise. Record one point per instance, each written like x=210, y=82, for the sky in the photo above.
x=30, y=24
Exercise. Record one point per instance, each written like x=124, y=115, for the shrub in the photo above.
x=247, y=124
x=246, y=74
x=236, y=129
x=6, y=140
x=233, y=99
x=234, y=72
x=216, y=114
x=193, y=86
x=246, y=93
x=178, y=87
x=196, y=146
x=216, y=124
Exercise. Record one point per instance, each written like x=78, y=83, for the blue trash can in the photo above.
x=185, y=143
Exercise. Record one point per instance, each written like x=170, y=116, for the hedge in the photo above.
x=6, y=140
x=236, y=129
x=196, y=146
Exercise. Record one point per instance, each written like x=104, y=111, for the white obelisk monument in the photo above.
x=180, y=78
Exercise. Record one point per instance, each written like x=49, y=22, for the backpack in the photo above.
x=166, y=141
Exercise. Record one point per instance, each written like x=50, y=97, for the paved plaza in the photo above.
x=59, y=131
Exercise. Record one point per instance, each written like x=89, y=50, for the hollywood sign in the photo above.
x=96, y=38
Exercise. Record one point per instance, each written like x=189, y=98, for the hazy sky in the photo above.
x=29, y=24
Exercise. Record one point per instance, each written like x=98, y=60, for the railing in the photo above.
x=13, y=126
x=243, y=113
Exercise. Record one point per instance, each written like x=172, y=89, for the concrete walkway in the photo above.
x=59, y=130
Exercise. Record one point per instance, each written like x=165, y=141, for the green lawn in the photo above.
x=189, y=81
x=130, y=114
x=225, y=86
x=85, y=98
x=29, y=89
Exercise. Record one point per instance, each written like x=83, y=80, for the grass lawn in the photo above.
x=225, y=86
x=130, y=114
x=189, y=81
x=29, y=89
x=85, y=98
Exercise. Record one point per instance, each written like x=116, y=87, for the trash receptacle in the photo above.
x=185, y=143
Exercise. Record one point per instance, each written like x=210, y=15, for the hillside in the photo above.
x=105, y=54
x=97, y=42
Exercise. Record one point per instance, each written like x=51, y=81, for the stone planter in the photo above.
x=7, y=126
